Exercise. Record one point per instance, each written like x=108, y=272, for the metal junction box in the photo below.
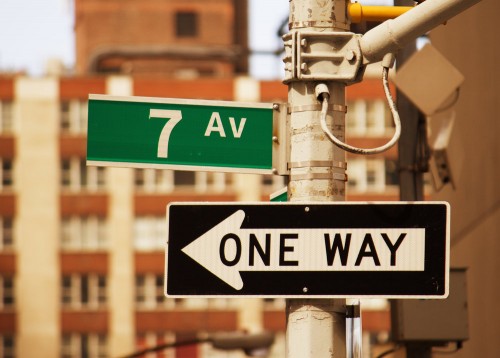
x=433, y=320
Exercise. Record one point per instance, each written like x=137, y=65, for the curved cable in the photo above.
x=395, y=115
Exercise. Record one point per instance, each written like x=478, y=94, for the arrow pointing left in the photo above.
x=210, y=259
x=228, y=249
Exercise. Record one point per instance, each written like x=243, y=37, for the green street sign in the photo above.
x=184, y=134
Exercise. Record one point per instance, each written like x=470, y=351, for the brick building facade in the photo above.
x=178, y=38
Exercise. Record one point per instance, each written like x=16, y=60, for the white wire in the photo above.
x=355, y=150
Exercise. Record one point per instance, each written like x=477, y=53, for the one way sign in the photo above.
x=393, y=250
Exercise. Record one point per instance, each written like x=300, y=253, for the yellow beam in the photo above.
x=359, y=13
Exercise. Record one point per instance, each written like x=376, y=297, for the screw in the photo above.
x=306, y=209
x=350, y=55
x=303, y=42
x=276, y=106
x=305, y=289
x=275, y=139
x=275, y=171
x=303, y=67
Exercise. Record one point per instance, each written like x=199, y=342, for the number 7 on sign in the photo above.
x=175, y=117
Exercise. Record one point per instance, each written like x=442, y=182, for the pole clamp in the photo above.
x=325, y=176
x=322, y=56
x=318, y=164
x=317, y=107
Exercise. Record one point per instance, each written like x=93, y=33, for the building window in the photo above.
x=272, y=183
x=183, y=179
x=186, y=24
x=79, y=345
x=368, y=117
x=7, y=346
x=212, y=182
x=375, y=117
x=149, y=292
x=366, y=175
x=6, y=117
x=152, y=180
x=83, y=291
x=6, y=174
x=76, y=176
x=355, y=118
x=375, y=175
x=150, y=233
x=6, y=233
x=73, y=116
x=203, y=182
x=7, y=292
x=83, y=233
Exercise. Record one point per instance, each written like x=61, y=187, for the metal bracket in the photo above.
x=281, y=139
x=324, y=176
x=322, y=56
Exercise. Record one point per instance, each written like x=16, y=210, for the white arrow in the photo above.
x=226, y=249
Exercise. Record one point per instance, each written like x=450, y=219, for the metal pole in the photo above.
x=410, y=176
x=316, y=327
x=392, y=35
x=410, y=163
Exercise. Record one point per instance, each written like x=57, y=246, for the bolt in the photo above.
x=276, y=106
x=305, y=290
x=303, y=42
x=303, y=67
x=275, y=139
x=350, y=55
x=275, y=171
x=306, y=209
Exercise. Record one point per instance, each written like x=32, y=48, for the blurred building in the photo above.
x=82, y=248
x=185, y=39
x=475, y=153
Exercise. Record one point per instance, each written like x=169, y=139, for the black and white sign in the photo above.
x=393, y=250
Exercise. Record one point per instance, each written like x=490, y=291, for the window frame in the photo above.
x=6, y=173
x=7, y=352
x=77, y=176
x=187, y=24
x=73, y=116
x=7, y=242
x=6, y=116
x=83, y=345
x=7, y=293
x=150, y=233
x=84, y=291
x=83, y=233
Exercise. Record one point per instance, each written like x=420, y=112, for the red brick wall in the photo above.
x=100, y=24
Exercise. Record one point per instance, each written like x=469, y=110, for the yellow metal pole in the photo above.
x=359, y=13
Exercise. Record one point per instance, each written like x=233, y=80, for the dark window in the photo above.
x=6, y=233
x=84, y=346
x=84, y=289
x=186, y=24
x=6, y=173
x=184, y=178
